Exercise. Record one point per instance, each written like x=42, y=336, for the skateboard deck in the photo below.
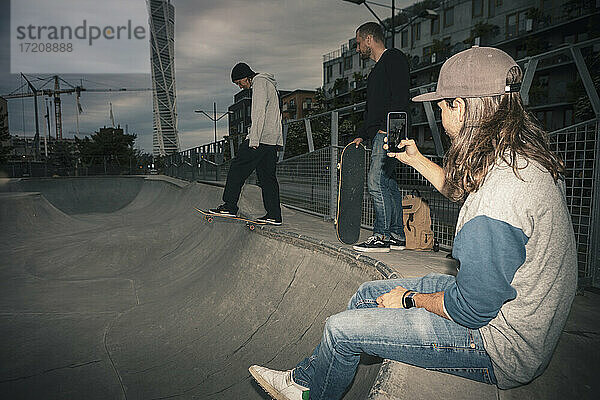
x=210, y=217
x=350, y=193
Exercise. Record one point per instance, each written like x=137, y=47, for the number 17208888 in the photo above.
x=42, y=47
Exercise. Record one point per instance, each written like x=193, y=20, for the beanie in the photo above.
x=241, y=71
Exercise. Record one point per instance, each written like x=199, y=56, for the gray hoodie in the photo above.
x=518, y=269
x=266, y=115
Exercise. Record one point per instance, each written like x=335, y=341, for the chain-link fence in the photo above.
x=579, y=147
x=309, y=182
x=39, y=169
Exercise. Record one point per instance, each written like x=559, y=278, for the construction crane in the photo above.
x=55, y=93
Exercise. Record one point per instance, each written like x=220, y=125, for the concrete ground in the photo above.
x=116, y=288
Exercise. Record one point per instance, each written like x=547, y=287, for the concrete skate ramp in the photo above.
x=115, y=288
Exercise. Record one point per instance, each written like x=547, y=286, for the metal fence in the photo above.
x=308, y=182
x=579, y=147
x=38, y=169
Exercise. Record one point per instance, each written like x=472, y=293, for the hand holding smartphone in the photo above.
x=397, y=130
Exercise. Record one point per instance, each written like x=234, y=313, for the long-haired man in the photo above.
x=499, y=320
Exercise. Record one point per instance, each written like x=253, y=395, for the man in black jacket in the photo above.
x=387, y=90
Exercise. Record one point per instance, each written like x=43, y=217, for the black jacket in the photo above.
x=387, y=90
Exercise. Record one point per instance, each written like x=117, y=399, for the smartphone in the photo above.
x=397, y=130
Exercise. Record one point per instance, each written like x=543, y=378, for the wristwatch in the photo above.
x=407, y=299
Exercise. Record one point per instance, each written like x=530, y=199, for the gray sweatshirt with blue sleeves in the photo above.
x=518, y=269
x=266, y=116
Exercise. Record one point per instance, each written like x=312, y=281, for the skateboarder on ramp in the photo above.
x=259, y=150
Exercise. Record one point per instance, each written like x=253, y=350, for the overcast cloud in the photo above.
x=287, y=38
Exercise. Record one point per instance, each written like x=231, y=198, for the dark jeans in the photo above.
x=383, y=188
x=262, y=159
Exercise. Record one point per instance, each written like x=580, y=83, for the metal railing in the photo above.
x=579, y=147
x=308, y=182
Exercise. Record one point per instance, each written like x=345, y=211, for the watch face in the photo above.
x=410, y=302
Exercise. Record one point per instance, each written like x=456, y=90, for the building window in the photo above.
x=329, y=73
x=545, y=118
x=515, y=23
x=511, y=25
x=448, y=17
x=307, y=105
x=435, y=26
x=546, y=6
x=428, y=54
x=347, y=63
x=568, y=117
x=340, y=68
x=416, y=32
x=477, y=8
x=404, y=38
x=492, y=6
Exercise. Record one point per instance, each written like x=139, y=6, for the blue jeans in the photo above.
x=413, y=336
x=383, y=188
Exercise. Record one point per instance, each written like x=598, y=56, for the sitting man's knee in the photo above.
x=337, y=325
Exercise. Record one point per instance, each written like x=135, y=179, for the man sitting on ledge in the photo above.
x=499, y=320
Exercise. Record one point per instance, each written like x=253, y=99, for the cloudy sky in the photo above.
x=285, y=37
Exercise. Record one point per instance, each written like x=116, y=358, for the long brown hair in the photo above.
x=496, y=128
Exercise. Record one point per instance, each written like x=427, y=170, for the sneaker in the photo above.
x=279, y=384
x=268, y=220
x=397, y=244
x=222, y=210
x=374, y=244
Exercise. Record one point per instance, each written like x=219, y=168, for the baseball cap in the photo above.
x=476, y=72
x=241, y=71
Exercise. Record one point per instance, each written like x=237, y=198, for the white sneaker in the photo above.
x=279, y=384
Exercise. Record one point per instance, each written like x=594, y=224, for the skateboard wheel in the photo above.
x=209, y=219
x=251, y=227
x=338, y=166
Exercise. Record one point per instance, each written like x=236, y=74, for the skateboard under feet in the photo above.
x=210, y=217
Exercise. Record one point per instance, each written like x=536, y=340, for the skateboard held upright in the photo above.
x=350, y=193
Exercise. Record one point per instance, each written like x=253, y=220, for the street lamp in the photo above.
x=428, y=14
x=214, y=117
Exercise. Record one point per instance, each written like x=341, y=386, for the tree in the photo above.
x=404, y=16
x=62, y=157
x=297, y=143
x=320, y=103
x=483, y=30
x=577, y=7
x=143, y=161
x=5, y=147
x=107, y=147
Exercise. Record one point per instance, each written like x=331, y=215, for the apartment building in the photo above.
x=297, y=104
x=522, y=28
